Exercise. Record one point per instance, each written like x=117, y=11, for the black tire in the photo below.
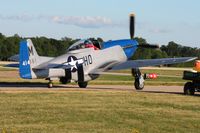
x=189, y=88
x=82, y=84
x=63, y=80
x=138, y=86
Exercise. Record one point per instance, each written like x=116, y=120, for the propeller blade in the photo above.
x=132, y=25
x=148, y=46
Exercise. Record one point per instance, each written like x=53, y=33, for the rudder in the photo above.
x=28, y=59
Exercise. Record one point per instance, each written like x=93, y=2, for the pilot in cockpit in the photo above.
x=82, y=44
x=89, y=44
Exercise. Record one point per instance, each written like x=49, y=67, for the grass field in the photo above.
x=157, y=71
x=76, y=111
x=98, y=111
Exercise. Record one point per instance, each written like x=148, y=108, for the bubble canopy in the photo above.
x=85, y=43
x=79, y=45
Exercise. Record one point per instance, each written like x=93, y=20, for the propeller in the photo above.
x=136, y=71
x=132, y=25
x=132, y=34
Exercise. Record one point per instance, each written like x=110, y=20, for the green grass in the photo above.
x=131, y=78
x=107, y=79
x=7, y=69
x=165, y=72
x=159, y=72
x=86, y=111
x=98, y=111
x=128, y=80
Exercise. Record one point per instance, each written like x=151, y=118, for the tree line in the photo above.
x=170, y=50
x=52, y=47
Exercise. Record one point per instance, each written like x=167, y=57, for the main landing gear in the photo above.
x=82, y=84
x=139, y=79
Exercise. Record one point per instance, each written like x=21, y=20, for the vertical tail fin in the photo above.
x=28, y=58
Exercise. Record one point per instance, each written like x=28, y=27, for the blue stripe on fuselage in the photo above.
x=129, y=46
x=24, y=64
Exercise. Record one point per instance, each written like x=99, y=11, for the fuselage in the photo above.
x=86, y=64
x=93, y=60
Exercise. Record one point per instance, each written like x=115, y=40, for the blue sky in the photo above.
x=157, y=21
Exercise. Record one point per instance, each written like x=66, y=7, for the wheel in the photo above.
x=50, y=85
x=82, y=84
x=189, y=88
x=138, y=85
x=63, y=80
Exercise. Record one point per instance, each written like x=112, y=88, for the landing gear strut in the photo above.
x=139, y=79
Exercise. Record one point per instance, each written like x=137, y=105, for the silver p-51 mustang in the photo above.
x=87, y=59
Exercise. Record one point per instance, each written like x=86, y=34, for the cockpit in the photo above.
x=86, y=43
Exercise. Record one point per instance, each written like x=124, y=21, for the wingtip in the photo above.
x=192, y=58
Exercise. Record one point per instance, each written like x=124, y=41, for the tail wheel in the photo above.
x=82, y=84
x=50, y=85
x=189, y=88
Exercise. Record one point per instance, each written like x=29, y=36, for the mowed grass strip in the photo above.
x=157, y=71
x=12, y=76
x=98, y=111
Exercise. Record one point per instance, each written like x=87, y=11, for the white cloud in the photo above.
x=86, y=22
x=159, y=31
x=152, y=28
x=79, y=21
x=22, y=17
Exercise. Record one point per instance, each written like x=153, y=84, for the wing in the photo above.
x=53, y=66
x=14, y=58
x=151, y=62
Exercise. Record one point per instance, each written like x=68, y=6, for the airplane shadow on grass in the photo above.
x=31, y=85
x=165, y=92
x=44, y=85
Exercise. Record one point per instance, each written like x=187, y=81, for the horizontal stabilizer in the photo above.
x=14, y=58
x=71, y=62
x=16, y=65
x=52, y=66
